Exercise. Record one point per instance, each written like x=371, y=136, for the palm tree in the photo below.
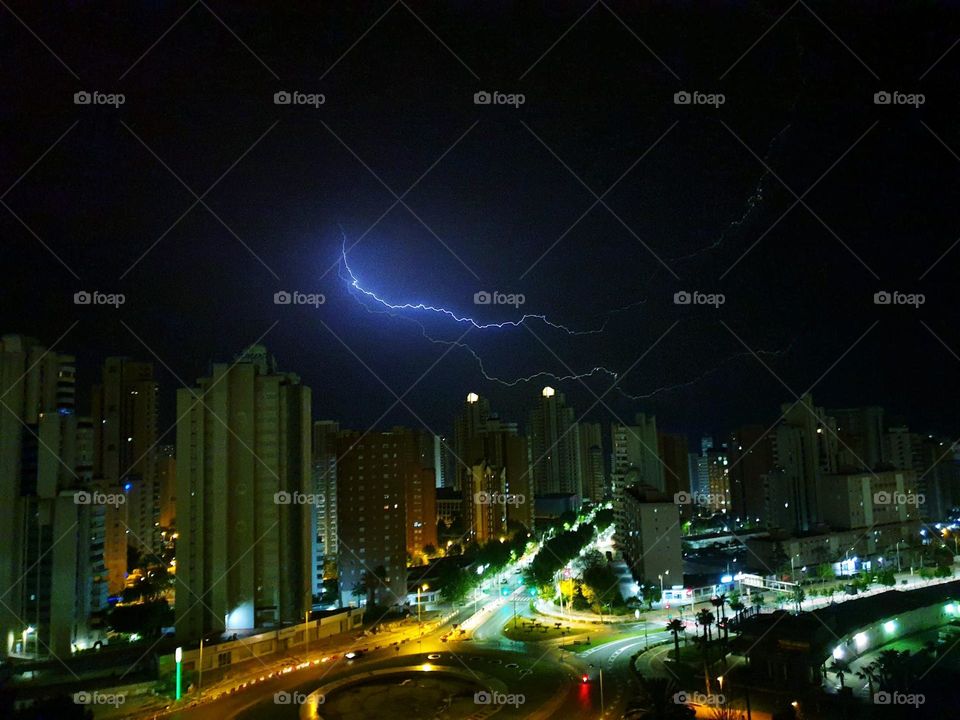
x=839, y=668
x=869, y=674
x=737, y=607
x=675, y=626
x=706, y=619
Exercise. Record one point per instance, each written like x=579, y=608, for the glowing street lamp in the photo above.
x=179, y=658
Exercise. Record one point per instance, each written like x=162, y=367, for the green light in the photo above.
x=179, y=657
x=889, y=626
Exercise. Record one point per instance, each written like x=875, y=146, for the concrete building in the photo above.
x=470, y=422
x=805, y=446
x=52, y=515
x=673, y=451
x=244, y=498
x=635, y=450
x=167, y=484
x=124, y=409
x=592, y=470
x=554, y=446
x=861, y=433
x=323, y=478
x=865, y=500
x=648, y=534
x=420, y=487
x=751, y=459
x=371, y=493
x=718, y=480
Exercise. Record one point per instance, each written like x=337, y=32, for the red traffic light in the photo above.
x=586, y=678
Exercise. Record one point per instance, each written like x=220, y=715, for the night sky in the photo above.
x=494, y=188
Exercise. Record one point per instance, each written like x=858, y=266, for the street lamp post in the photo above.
x=419, y=620
x=178, y=656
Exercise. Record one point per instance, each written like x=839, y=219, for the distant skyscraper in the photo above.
x=751, y=459
x=635, y=458
x=51, y=522
x=718, y=479
x=592, y=471
x=554, y=446
x=676, y=472
x=167, y=484
x=471, y=421
x=418, y=477
x=243, y=479
x=125, y=435
x=804, y=448
x=861, y=433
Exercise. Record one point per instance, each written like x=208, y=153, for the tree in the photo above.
x=798, y=597
x=870, y=675
x=429, y=550
x=705, y=619
x=675, y=626
x=652, y=594
x=839, y=668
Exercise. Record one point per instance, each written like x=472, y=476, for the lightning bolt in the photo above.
x=354, y=283
x=401, y=311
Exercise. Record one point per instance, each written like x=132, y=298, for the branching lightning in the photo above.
x=404, y=311
x=355, y=284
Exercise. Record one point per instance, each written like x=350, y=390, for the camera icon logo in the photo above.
x=481, y=498
x=282, y=498
x=282, y=97
x=682, y=98
x=282, y=297
x=882, y=98
x=81, y=497
x=682, y=498
x=882, y=298
x=482, y=697
x=282, y=698
x=482, y=98
x=482, y=298
x=682, y=297
x=882, y=698
x=82, y=97
x=82, y=298
x=681, y=698
x=881, y=498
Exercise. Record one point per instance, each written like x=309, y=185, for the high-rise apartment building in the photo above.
x=592, y=471
x=861, y=434
x=371, y=493
x=751, y=459
x=648, y=532
x=125, y=437
x=635, y=458
x=323, y=477
x=554, y=446
x=51, y=517
x=243, y=498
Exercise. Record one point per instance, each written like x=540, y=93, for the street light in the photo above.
x=419, y=621
x=178, y=656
